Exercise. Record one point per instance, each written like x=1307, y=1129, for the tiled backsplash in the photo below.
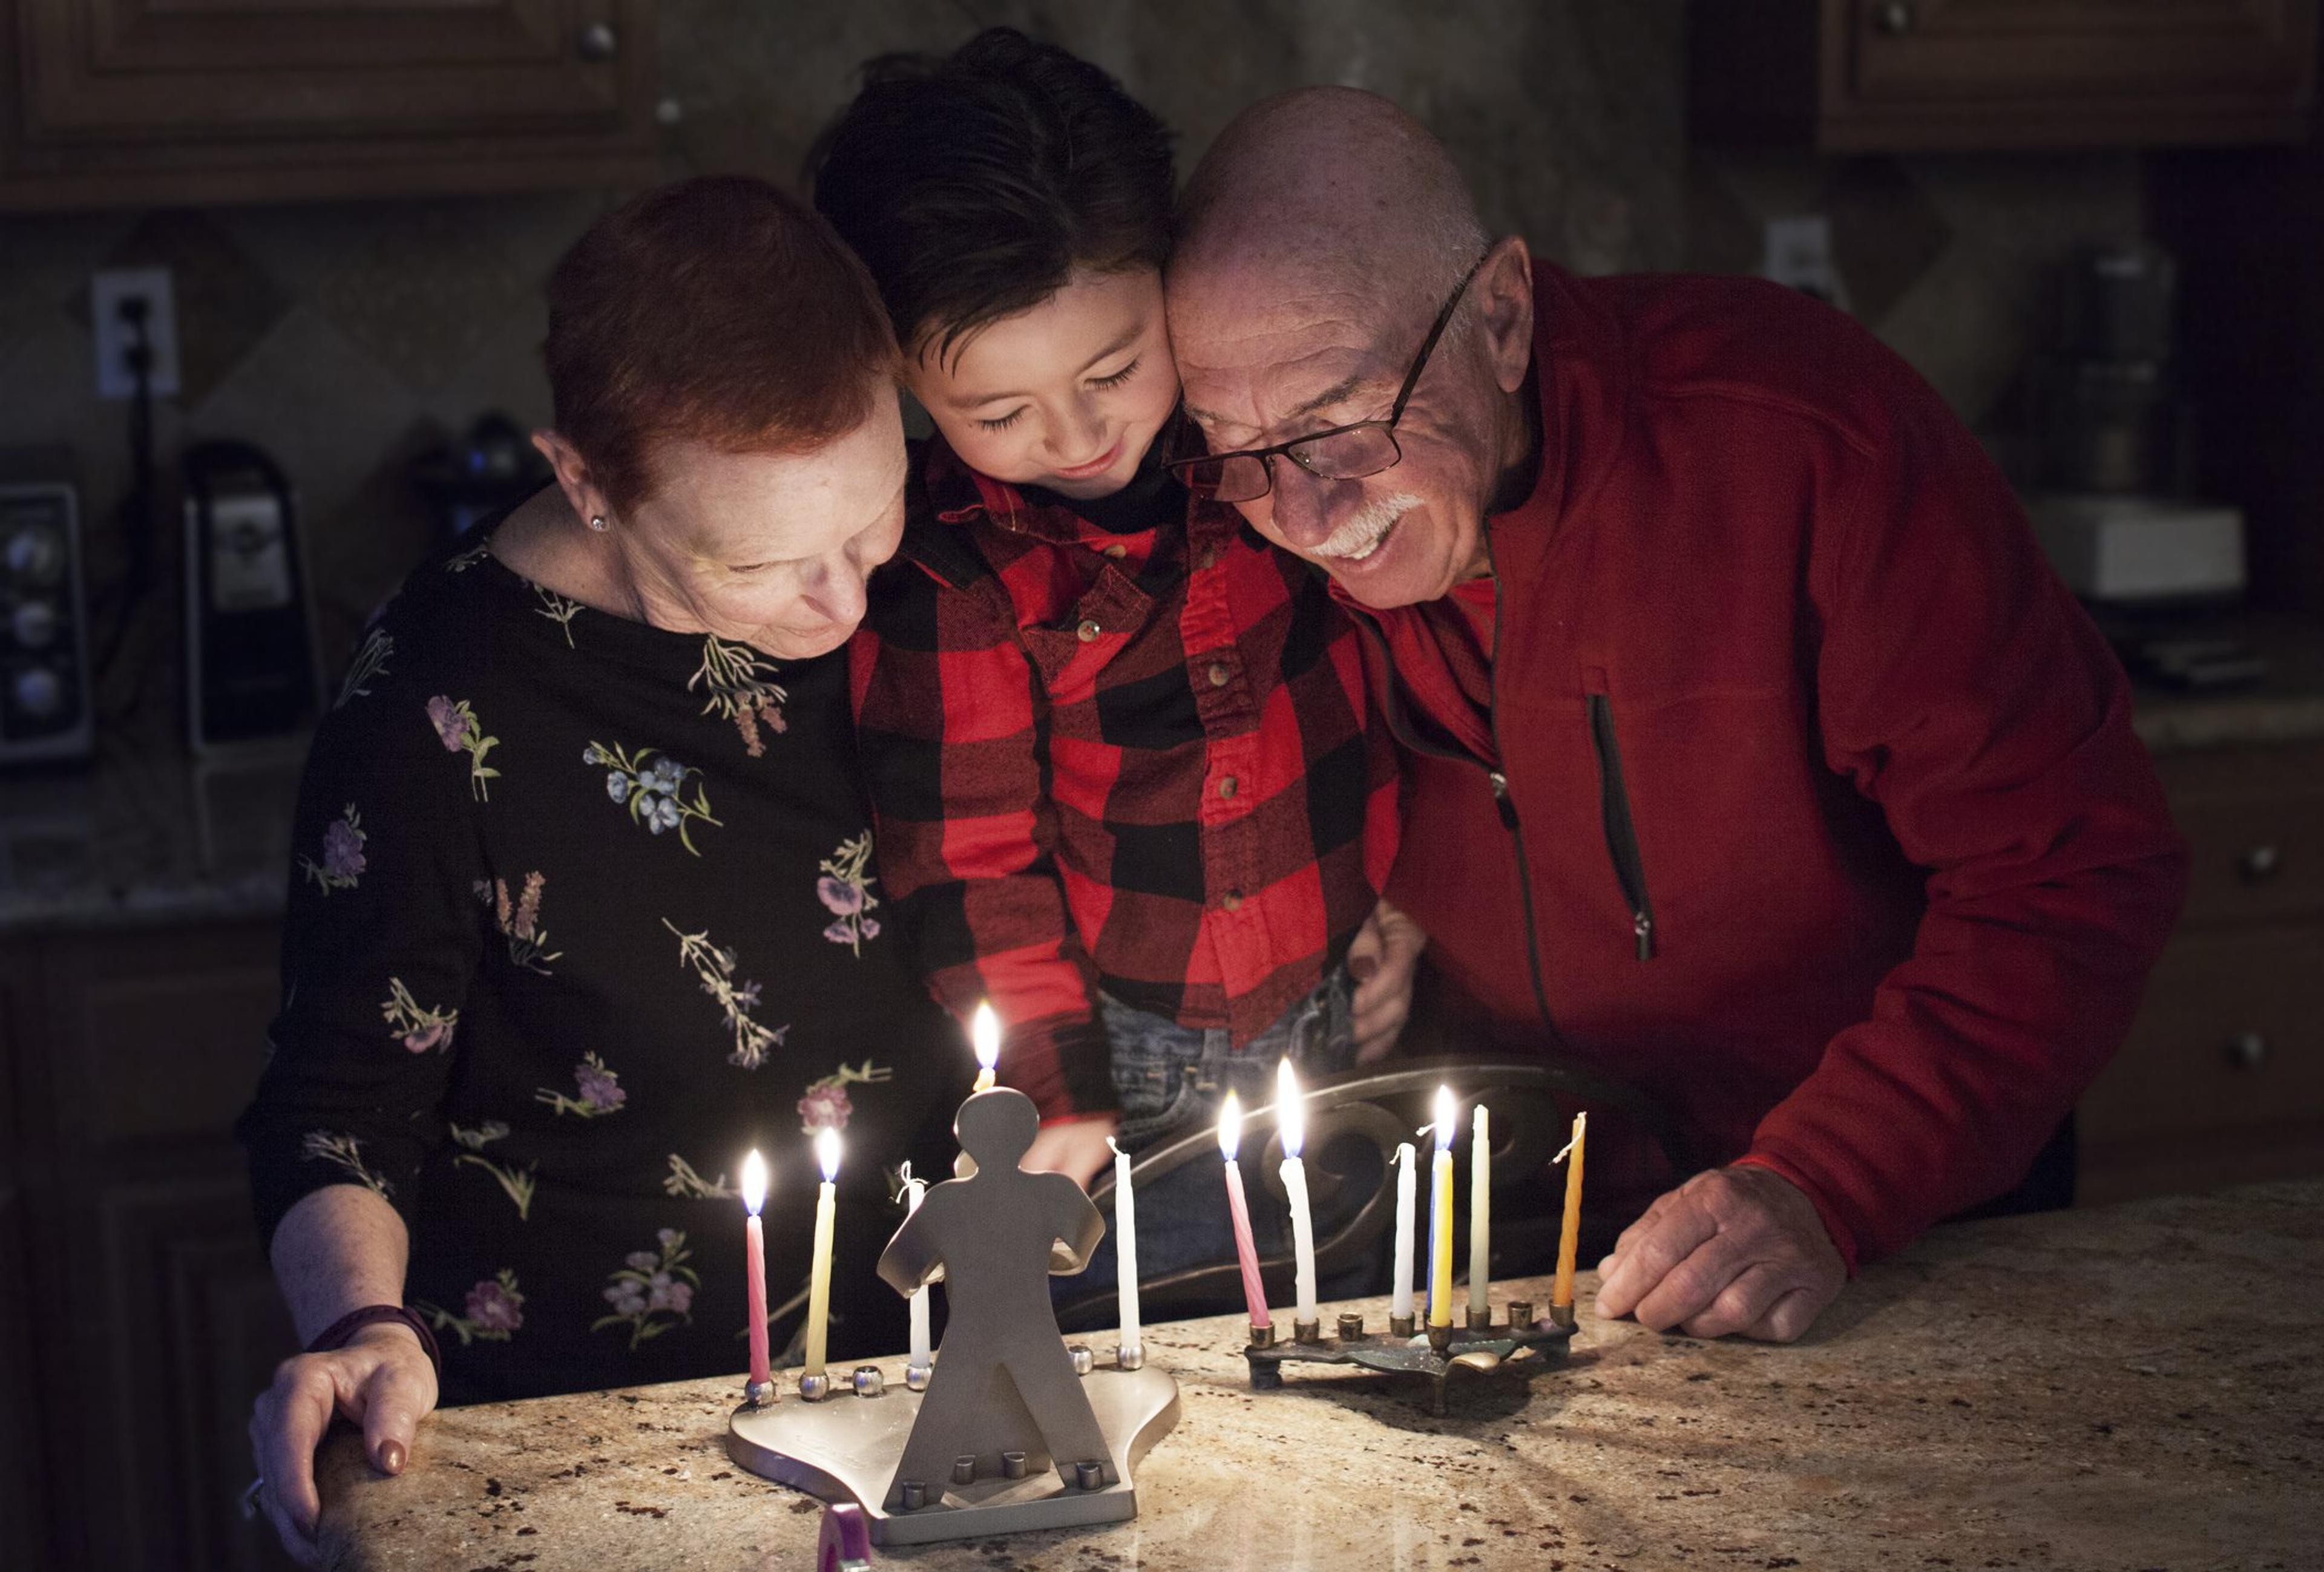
x=344, y=338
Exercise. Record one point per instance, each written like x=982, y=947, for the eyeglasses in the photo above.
x=1343, y=453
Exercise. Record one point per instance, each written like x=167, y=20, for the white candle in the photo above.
x=1291, y=1124
x=754, y=1266
x=1405, y=1188
x=984, y=1036
x=818, y=1282
x=1125, y=1253
x=1440, y=1214
x=915, y=1191
x=1480, y=1214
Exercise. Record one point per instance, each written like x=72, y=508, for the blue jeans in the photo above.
x=1172, y=1079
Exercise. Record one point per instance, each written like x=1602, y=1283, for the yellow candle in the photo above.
x=1560, y=1295
x=1439, y=1200
x=818, y=1286
x=984, y=1034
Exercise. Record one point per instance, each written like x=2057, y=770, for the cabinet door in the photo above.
x=1956, y=49
x=23, y=1511
x=128, y=70
x=2222, y=1079
x=155, y=1316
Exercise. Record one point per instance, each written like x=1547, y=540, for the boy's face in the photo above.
x=1067, y=395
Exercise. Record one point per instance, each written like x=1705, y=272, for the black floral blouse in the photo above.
x=581, y=911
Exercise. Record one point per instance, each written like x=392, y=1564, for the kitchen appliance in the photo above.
x=2139, y=550
x=2107, y=411
x=46, y=699
x=251, y=673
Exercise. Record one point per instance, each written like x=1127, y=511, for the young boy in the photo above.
x=1126, y=780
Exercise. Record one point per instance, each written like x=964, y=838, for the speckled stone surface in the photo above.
x=2130, y=1387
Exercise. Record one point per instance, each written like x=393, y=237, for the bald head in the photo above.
x=1331, y=181
x=1323, y=234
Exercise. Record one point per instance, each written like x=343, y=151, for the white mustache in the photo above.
x=1363, y=531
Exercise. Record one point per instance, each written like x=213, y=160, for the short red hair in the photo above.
x=718, y=310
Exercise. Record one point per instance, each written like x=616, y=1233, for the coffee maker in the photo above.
x=2114, y=462
x=252, y=674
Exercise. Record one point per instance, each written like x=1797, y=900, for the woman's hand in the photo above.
x=382, y=1380
x=1381, y=958
x=1076, y=1148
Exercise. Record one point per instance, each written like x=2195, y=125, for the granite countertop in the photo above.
x=2287, y=706
x=2127, y=1387
x=145, y=835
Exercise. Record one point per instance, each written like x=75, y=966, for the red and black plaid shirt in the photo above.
x=1145, y=763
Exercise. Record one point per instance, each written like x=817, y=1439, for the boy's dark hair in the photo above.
x=972, y=186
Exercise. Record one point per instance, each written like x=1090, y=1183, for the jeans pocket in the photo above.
x=1152, y=1061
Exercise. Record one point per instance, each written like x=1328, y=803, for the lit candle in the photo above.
x=984, y=1034
x=1480, y=1214
x=754, y=1266
x=1401, y=1304
x=1125, y=1256
x=1440, y=1214
x=915, y=1191
x=1561, y=1293
x=1254, y=1292
x=818, y=1283
x=1291, y=1124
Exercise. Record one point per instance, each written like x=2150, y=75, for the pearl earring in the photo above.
x=597, y=523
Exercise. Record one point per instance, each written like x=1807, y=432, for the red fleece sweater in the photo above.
x=1824, y=822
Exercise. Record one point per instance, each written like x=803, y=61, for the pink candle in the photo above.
x=1254, y=1292
x=754, y=1266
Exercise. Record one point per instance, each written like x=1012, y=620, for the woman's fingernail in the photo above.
x=391, y=1456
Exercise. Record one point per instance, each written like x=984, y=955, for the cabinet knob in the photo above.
x=2247, y=1051
x=2261, y=863
x=598, y=42
x=1894, y=17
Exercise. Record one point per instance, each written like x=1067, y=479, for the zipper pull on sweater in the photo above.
x=1500, y=785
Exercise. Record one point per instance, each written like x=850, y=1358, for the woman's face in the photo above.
x=1067, y=395
x=770, y=549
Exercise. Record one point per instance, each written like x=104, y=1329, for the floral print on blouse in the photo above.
x=544, y=993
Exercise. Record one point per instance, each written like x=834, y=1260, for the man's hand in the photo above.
x=1076, y=1148
x=1381, y=958
x=381, y=1381
x=1733, y=1250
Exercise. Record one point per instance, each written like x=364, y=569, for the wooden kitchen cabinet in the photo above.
x=2222, y=1079
x=113, y=103
x=150, y=1314
x=1901, y=76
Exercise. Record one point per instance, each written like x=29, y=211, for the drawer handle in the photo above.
x=1894, y=17
x=2247, y=1051
x=2260, y=863
x=597, y=41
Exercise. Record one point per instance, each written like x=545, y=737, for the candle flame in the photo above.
x=826, y=1152
x=754, y=1181
x=1447, y=1118
x=984, y=1034
x=1290, y=1109
x=1231, y=1127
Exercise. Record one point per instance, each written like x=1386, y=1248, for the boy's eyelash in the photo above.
x=1005, y=422
x=1121, y=376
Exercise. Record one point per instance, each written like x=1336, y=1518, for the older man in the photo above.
x=1755, y=755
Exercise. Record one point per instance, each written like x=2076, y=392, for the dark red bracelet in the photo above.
x=338, y=1333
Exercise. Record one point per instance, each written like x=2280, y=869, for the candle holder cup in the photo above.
x=1524, y=1345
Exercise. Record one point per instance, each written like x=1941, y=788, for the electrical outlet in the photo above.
x=108, y=292
x=1799, y=253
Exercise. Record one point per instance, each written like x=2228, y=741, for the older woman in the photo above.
x=584, y=905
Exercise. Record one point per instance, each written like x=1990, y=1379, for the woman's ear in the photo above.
x=1505, y=284
x=573, y=476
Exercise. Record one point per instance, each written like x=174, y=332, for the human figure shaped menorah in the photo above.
x=1003, y=1380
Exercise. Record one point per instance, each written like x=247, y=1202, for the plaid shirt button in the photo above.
x=1117, y=551
x=1219, y=673
x=1227, y=787
x=1089, y=630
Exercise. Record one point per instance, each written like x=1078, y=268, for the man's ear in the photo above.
x=1504, y=288
x=573, y=477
